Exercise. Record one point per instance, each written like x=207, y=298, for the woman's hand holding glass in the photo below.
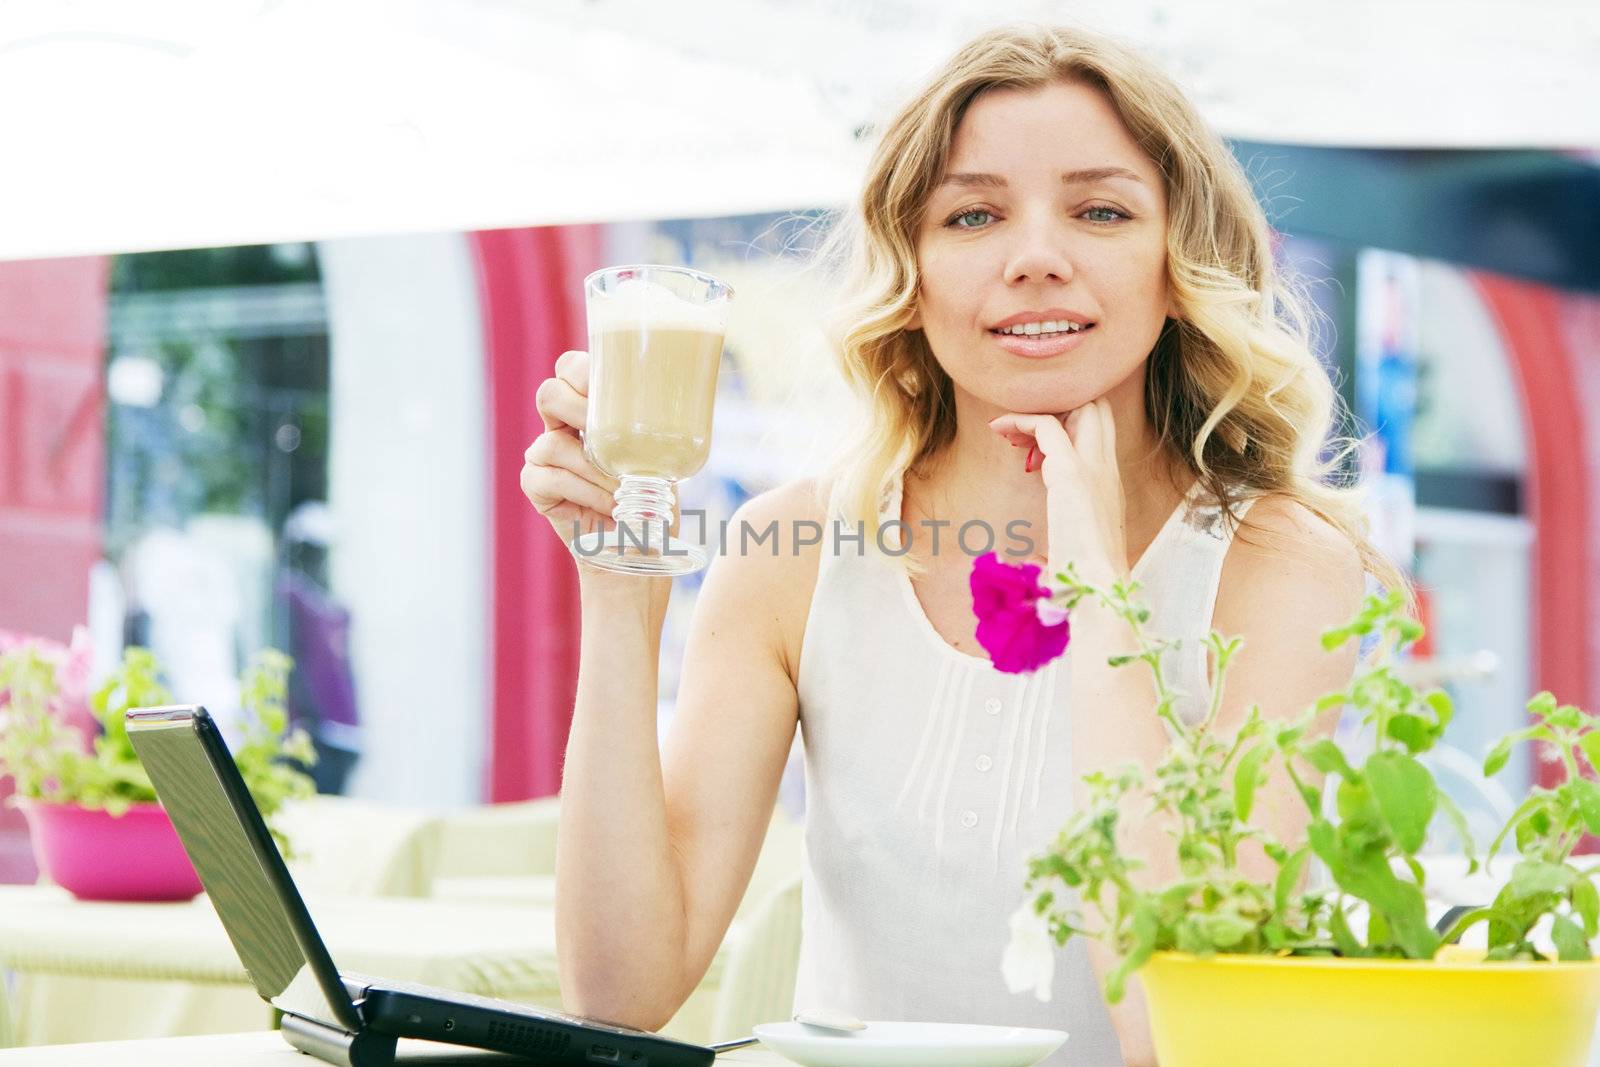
x=557, y=477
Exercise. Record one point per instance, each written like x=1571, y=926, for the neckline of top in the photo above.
x=893, y=505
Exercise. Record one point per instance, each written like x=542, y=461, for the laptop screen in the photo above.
x=238, y=863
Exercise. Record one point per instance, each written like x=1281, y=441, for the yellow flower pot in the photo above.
x=1263, y=1011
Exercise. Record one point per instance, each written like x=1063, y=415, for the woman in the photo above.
x=1053, y=252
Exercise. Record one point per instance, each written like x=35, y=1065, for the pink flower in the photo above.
x=1013, y=610
x=73, y=676
x=73, y=664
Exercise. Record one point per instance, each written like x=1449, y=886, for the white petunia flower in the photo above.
x=1030, y=957
x=1049, y=612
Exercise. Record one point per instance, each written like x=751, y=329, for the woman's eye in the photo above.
x=1105, y=211
x=964, y=221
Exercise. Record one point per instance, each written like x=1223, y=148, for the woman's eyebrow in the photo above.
x=1071, y=177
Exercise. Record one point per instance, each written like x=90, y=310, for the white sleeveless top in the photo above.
x=931, y=778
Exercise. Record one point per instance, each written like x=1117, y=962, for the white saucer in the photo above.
x=912, y=1045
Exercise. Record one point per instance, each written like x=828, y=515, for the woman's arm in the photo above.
x=655, y=848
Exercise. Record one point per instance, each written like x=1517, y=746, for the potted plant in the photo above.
x=1238, y=970
x=97, y=828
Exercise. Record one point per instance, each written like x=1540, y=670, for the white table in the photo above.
x=131, y=954
x=536, y=889
x=268, y=1049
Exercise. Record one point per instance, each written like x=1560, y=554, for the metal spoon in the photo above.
x=825, y=1019
x=828, y=1019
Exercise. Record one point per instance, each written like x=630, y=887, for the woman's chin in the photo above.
x=1030, y=394
x=1045, y=401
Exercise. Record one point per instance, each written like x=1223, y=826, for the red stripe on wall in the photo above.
x=52, y=445
x=530, y=284
x=1559, y=498
x=52, y=464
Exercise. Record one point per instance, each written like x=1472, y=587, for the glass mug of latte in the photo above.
x=655, y=342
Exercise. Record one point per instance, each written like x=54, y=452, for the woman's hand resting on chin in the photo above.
x=1083, y=485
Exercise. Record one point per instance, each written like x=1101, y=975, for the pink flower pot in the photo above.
x=98, y=856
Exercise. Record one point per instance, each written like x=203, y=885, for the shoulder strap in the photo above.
x=1183, y=584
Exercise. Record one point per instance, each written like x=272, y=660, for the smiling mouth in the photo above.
x=1043, y=329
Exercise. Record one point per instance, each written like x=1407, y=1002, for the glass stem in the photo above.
x=643, y=504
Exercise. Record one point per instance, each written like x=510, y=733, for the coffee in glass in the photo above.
x=655, y=344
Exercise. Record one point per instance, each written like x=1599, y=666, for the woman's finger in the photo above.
x=563, y=449
x=1043, y=431
x=1092, y=431
x=1108, y=433
x=560, y=405
x=547, y=488
x=572, y=367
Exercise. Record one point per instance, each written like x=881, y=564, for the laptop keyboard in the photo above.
x=358, y=984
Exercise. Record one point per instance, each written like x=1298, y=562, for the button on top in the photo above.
x=983, y=763
x=969, y=819
x=992, y=705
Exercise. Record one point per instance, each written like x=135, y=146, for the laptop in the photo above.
x=344, y=1018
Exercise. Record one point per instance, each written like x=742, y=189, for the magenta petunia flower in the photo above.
x=1014, y=615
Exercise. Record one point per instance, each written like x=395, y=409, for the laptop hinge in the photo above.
x=333, y=1045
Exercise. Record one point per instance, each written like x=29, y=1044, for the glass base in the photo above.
x=611, y=551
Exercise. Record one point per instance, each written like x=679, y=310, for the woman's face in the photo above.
x=1048, y=213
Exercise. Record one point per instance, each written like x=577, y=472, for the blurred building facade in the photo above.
x=168, y=413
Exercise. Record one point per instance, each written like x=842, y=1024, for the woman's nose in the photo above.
x=1040, y=254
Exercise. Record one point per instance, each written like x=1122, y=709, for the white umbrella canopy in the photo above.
x=191, y=123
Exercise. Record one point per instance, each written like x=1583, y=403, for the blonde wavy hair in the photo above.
x=1232, y=384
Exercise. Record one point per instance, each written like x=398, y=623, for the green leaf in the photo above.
x=1466, y=922
x=1146, y=927
x=1566, y=717
x=1327, y=757
x=1514, y=822
x=1356, y=806
x=1586, y=902
x=1458, y=820
x=1225, y=931
x=1590, y=743
x=1413, y=731
x=1324, y=841
x=1288, y=878
x=1247, y=776
x=1497, y=758
x=1405, y=794
x=1367, y=874
x=1542, y=704
x=1569, y=938
x=1332, y=700
x=1188, y=938
x=1532, y=831
x=1378, y=935
x=1586, y=794
x=1343, y=936
x=1443, y=708
x=1531, y=877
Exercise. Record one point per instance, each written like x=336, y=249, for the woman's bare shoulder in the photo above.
x=769, y=553
x=1286, y=558
x=793, y=501
x=1280, y=525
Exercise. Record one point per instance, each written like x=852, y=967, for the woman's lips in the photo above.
x=1039, y=346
